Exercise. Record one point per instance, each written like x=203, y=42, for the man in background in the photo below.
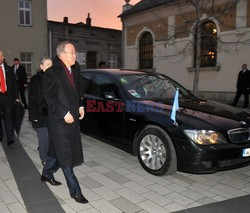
x=21, y=78
x=102, y=64
x=243, y=86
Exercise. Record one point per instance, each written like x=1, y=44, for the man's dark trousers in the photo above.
x=240, y=92
x=51, y=166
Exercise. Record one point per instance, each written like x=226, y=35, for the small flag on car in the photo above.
x=175, y=107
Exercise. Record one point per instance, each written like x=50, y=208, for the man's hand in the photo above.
x=81, y=112
x=69, y=118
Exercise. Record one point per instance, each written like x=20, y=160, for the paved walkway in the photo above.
x=113, y=182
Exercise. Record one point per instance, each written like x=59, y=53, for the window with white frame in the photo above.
x=112, y=60
x=27, y=62
x=25, y=12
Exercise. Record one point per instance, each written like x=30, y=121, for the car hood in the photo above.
x=199, y=112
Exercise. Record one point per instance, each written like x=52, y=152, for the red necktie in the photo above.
x=2, y=81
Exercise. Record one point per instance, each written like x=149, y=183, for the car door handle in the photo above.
x=132, y=119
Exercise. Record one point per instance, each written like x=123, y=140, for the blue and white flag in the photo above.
x=175, y=106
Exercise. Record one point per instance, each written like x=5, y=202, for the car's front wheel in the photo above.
x=156, y=152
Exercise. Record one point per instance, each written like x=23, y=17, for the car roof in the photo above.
x=117, y=71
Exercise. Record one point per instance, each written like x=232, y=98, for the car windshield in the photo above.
x=152, y=87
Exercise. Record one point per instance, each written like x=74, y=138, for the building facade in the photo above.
x=161, y=36
x=23, y=32
x=93, y=44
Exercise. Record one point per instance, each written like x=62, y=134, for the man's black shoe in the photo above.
x=80, y=199
x=53, y=182
x=10, y=142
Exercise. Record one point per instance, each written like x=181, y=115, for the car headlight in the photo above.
x=205, y=137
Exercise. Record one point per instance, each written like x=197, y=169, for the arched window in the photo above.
x=208, y=44
x=146, y=51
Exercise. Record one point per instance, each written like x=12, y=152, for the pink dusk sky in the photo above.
x=102, y=12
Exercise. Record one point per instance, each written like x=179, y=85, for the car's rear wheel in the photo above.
x=156, y=152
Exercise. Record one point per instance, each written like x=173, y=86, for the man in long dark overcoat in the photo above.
x=63, y=93
x=243, y=86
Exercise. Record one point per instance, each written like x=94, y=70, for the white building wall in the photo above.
x=131, y=58
x=224, y=80
x=217, y=84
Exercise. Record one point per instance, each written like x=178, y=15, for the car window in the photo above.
x=146, y=86
x=87, y=82
x=103, y=84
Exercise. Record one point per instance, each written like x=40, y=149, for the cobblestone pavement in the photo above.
x=113, y=181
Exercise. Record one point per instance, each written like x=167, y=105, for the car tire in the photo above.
x=156, y=152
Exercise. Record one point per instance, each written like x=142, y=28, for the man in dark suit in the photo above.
x=21, y=78
x=8, y=96
x=63, y=93
x=243, y=86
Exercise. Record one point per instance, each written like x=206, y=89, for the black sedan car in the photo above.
x=132, y=110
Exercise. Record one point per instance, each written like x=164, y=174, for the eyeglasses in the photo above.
x=72, y=53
